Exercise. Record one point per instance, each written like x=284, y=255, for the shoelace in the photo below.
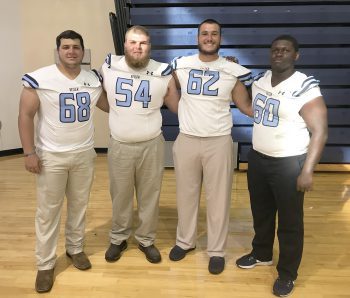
x=251, y=258
x=288, y=283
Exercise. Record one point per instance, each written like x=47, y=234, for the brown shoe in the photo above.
x=80, y=260
x=44, y=281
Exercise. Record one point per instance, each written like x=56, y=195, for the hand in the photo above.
x=304, y=182
x=32, y=163
x=231, y=58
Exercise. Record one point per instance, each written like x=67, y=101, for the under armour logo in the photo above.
x=149, y=72
x=86, y=84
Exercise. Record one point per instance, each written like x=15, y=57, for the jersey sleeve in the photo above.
x=243, y=74
x=37, y=79
x=246, y=79
x=309, y=84
x=167, y=70
x=98, y=75
x=29, y=82
x=174, y=62
x=108, y=60
x=107, y=64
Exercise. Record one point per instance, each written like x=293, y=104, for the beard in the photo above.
x=136, y=63
x=212, y=52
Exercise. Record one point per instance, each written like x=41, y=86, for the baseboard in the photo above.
x=101, y=150
x=11, y=152
x=243, y=166
x=20, y=151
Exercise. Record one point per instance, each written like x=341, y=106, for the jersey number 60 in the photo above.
x=267, y=111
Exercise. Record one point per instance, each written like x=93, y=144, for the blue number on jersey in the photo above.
x=68, y=110
x=194, y=84
x=83, y=101
x=268, y=112
x=142, y=93
x=126, y=92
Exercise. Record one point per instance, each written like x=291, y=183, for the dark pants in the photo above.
x=272, y=187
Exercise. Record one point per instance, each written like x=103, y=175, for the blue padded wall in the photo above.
x=321, y=27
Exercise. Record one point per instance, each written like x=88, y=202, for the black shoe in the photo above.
x=283, y=288
x=114, y=251
x=216, y=265
x=177, y=253
x=151, y=252
x=44, y=281
x=249, y=261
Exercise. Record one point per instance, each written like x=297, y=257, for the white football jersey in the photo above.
x=204, y=107
x=66, y=108
x=135, y=98
x=279, y=130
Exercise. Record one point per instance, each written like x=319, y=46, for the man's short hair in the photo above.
x=209, y=21
x=137, y=28
x=288, y=38
x=69, y=34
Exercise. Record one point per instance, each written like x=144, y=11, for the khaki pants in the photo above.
x=69, y=174
x=209, y=160
x=136, y=166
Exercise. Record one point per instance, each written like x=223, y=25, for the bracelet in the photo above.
x=29, y=154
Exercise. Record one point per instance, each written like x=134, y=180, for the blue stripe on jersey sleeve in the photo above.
x=246, y=79
x=308, y=79
x=258, y=76
x=174, y=62
x=306, y=88
x=31, y=81
x=98, y=75
x=108, y=60
x=167, y=71
x=309, y=83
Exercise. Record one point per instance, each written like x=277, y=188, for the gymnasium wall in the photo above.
x=321, y=27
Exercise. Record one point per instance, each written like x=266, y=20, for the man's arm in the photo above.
x=102, y=102
x=314, y=114
x=178, y=86
x=28, y=106
x=241, y=98
x=172, y=96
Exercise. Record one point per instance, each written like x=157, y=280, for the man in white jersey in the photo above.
x=63, y=96
x=136, y=87
x=203, y=151
x=288, y=108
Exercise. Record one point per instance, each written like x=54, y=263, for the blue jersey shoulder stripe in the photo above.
x=246, y=79
x=167, y=71
x=308, y=79
x=309, y=83
x=174, y=62
x=258, y=76
x=108, y=60
x=31, y=81
x=98, y=75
